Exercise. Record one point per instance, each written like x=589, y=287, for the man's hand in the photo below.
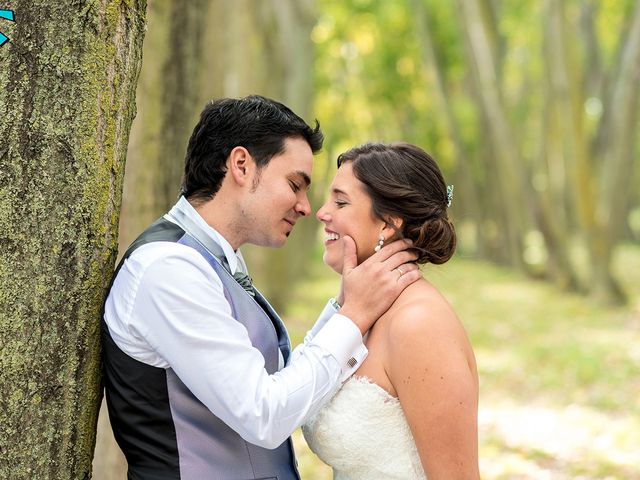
x=371, y=287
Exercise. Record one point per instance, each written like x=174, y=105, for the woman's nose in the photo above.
x=322, y=214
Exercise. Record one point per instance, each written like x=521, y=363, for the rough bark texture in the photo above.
x=67, y=89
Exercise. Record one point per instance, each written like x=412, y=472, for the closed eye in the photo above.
x=340, y=203
x=294, y=186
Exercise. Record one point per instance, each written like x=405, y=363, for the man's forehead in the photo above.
x=296, y=161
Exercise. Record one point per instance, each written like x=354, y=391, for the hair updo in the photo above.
x=404, y=181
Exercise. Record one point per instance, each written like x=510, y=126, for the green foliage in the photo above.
x=545, y=130
x=368, y=72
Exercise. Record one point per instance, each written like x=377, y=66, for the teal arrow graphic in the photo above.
x=7, y=15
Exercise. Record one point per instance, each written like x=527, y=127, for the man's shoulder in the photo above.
x=162, y=230
x=167, y=256
x=153, y=251
x=158, y=265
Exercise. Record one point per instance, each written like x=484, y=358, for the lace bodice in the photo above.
x=362, y=433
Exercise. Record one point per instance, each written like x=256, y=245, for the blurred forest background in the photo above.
x=531, y=109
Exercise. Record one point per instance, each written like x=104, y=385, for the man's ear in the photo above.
x=240, y=165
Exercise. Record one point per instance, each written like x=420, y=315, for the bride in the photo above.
x=410, y=411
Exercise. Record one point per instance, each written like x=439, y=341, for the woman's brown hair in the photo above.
x=404, y=181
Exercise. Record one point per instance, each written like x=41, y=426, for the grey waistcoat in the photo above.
x=163, y=429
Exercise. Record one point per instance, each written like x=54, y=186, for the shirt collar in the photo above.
x=235, y=260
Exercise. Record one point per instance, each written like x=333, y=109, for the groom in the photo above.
x=201, y=382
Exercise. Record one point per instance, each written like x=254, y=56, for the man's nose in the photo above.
x=304, y=207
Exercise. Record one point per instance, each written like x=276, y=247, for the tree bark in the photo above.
x=139, y=205
x=67, y=90
x=180, y=103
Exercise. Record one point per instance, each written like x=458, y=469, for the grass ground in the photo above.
x=559, y=374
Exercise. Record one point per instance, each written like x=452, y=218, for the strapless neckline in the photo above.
x=362, y=434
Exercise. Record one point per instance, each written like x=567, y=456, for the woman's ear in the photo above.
x=239, y=165
x=392, y=228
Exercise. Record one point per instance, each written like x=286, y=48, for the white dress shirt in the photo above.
x=167, y=309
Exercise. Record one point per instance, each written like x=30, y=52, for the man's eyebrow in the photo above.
x=304, y=176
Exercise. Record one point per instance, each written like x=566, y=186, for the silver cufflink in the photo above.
x=352, y=362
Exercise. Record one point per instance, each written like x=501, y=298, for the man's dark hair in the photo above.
x=259, y=124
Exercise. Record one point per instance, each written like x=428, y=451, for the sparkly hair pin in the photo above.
x=449, y=195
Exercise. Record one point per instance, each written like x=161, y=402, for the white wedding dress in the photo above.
x=362, y=434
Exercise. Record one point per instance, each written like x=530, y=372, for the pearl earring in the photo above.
x=380, y=243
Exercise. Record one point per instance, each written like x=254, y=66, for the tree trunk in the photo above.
x=595, y=73
x=139, y=205
x=472, y=200
x=618, y=161
x=180, y=103
x=550, y=212
x=285, y=34
x=566, y=154
x=509, y=182
x=67, y=90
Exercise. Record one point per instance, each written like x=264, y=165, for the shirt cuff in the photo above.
x=328, y=311
x=343, y=340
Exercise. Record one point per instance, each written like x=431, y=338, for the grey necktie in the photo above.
x=243, y=279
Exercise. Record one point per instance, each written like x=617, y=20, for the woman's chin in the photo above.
x=332, y=263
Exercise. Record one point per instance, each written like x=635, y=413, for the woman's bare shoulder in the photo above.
x=424, y=332
x=421, y=308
